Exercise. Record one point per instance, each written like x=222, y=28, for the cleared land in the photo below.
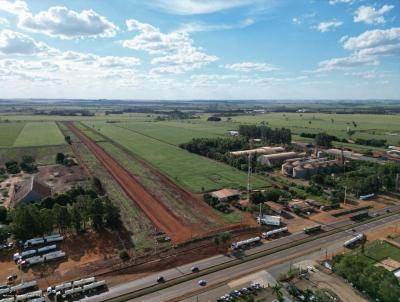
x=9, y=133
x=39, y=134
x=194, y=172
x=155, y=210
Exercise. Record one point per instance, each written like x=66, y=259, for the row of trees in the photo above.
x=371, y=142
x=219, y=148
x=266, y=134
x=377, y=282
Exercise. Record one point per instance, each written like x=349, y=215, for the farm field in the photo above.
x=378, y=250
x=195, y=173
x=101, y=117
x=369, y=126
x=39, y=134
x=42, y=155
x=9, y=133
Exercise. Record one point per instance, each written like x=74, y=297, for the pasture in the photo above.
x=39, y=134
x=194, y=172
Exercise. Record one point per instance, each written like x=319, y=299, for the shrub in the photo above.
x=123, y=254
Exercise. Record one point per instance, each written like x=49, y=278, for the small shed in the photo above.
x=226, y=194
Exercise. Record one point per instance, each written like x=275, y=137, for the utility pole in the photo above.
x=397, y=181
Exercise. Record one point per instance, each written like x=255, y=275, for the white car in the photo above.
x=202, y=282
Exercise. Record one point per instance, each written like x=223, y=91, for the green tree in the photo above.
x=96, y=212
x=4, y=234
x=277, y=290
x=62, y=217
x=76, y=216
x=60, y=158
x=3, y=214
x=46, y=220
x=112, y=217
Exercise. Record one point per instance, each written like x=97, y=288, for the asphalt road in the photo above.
x=235, y=271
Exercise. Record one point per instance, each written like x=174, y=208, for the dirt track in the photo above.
x=158, y=213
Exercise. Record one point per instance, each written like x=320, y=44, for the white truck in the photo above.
x=272, y=233
x=245, y=243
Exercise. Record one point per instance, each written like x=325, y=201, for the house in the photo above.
x=29, y=191
x=226, y=194
x=300, y=205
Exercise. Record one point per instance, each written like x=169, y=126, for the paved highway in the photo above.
x=241, y=268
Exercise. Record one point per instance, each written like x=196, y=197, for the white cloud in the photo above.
x=194, y=7
x=14, y=7
x=179, y=54
x=327, y=26
x=371, y=15
x=296, y=20
x=201, y=27
x=3, y=21
x=347, y=62
x=15, y=43
x=63, y=23
x=251, y=66
x=375, y=42
x=333, y=2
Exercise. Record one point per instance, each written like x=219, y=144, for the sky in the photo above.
x=200, y=49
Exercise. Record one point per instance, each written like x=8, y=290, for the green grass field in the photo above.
x=192, y=171
x=378, y=250
x=39, y=134
x=368, y=125
x=9, y=133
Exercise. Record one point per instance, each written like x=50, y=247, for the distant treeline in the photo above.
x=266, y=134
x=323, y=139
x=371, y=142
x=172, y=114
x=69, y=112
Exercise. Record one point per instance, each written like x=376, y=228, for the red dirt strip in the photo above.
x=158, y=213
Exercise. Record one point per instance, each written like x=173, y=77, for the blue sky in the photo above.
x=200, y=49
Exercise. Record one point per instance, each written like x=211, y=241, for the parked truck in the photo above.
x=245, y=243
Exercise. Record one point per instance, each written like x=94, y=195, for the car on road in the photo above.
x=160, y=279
x=202, y=282
x=194, y=269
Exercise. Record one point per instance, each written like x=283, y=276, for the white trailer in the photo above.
x=5, y=291
x=354, y=240
x=94, y=285
x=47, y=249
x=23, y=286
x=53, y=256
x=33, y=242
x=53, y=290
x=54, y=239
x=41, y=299
x=245, y=243
x=34, y=260
x=73, y=291
x=52, y=236
x=274, y=232
x=269, y=220
x=83, y=281
x=10, y=299
x=24, y=254
x=31, y=295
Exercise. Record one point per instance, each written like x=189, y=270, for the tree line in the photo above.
x=377, y=282
x=266, y=134
x=76, y=210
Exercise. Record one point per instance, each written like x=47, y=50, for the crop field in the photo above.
x=39, y=134
x=194, y=172
x=9, y=133
x=368, y=126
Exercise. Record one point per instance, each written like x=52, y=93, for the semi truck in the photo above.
x=275, y=232
x=245, y=243
x=353, y=241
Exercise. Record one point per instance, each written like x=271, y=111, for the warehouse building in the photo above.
x=305, y=168
x=276, y=159
x=29, y=191
x=262, y=150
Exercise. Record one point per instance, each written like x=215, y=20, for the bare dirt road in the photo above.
x=158, y=213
